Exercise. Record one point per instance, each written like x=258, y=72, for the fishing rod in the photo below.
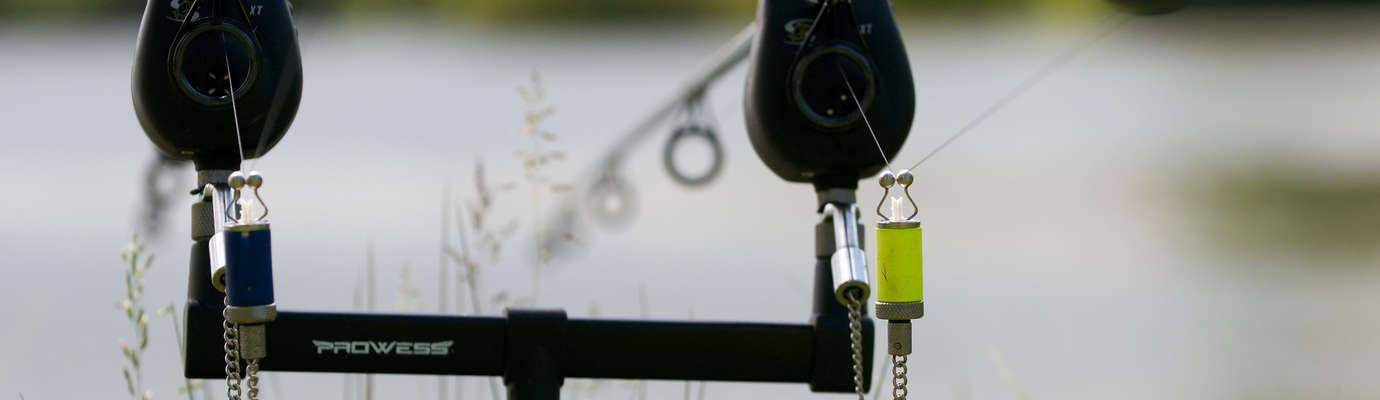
x=603, y=194
x=603, y=184
x=218, y=82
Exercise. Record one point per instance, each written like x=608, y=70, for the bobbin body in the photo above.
x=249, y=285
x=900, y=270
x=247, y=243
x=900, y=280
x=249, y=263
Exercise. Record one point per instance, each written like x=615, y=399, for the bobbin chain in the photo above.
x=232, y=353
x=232, y=360
x=855, y=338
x=898, y=377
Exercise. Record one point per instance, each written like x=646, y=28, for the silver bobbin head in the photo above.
x=887, y=180
x=905, y=178
x=255, y=180
x=236, y=180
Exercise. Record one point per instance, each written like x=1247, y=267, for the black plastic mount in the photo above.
x=535, y=350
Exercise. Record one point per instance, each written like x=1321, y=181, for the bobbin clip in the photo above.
x=905, y=178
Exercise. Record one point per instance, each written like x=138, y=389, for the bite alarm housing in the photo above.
x=190, y=54
x=802, y=117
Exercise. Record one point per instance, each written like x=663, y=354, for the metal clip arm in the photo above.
x=221, y=198
x=849, y=262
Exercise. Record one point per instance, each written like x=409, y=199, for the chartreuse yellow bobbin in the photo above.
x=900, y=275
x=900, y=262
x=900, y=256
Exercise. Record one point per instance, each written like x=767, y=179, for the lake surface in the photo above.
x=1066, y=255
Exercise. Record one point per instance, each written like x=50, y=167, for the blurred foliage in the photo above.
x=492, y=10
x=1289, y=208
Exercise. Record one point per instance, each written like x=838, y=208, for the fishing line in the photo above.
x=234, y=112
x=191, y=10
x=810, y=33
x=864, y=118
x=1029, y=83
x=278, y=95
x=900, y=266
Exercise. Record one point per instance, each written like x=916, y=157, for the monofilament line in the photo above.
x=1025, y=86
x=810, y=33
x=864, y=118
x=234, y=112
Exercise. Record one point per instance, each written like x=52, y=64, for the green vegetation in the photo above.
x=139, y=261
x=495, y=10
x=1278, y=207
x=133, y=308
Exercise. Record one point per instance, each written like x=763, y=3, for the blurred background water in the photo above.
x=1190, y=209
